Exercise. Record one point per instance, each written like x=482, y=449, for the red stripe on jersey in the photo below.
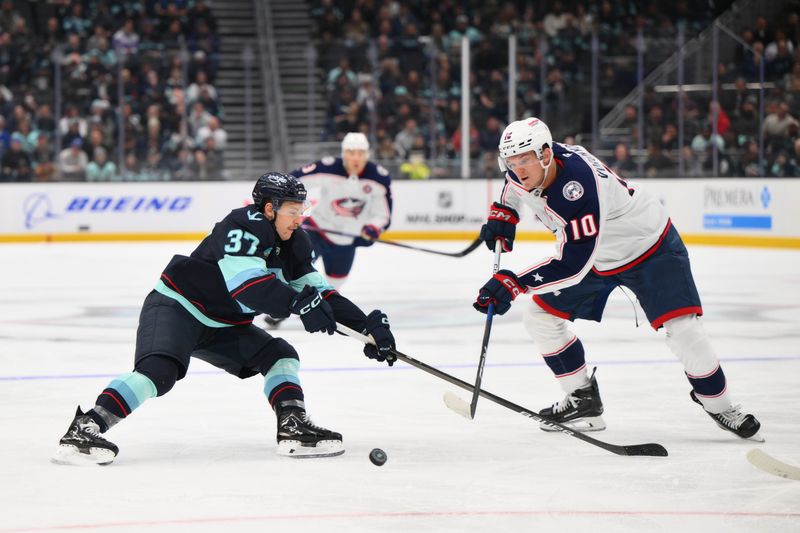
x=693, y=310
x=639, y=259
x=266, y=278
x=552, y=310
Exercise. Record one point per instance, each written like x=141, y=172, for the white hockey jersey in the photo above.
x=346, y=203
x=601, y=222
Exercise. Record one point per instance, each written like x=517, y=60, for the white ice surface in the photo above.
x=202, y=457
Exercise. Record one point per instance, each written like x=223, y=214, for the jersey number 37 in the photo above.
x=235, y=237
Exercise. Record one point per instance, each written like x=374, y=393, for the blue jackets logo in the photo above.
x=39, y=207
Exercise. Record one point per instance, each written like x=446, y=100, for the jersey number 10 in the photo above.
x=583, y=227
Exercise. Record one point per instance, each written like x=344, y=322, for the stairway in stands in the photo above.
x=292, y=30
x=236, y=25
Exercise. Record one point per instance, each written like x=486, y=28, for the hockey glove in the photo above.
x=502, y=224
x=377, y=326
x=500, y=291
x=316, y=313
x=369, y=234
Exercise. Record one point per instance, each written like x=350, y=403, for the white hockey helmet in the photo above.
x=529, y=134
x=355, y=141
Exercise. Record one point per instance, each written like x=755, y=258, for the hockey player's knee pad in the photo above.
x=549, y=332
x=689, y=341
x=162, y=370
x=273, y=351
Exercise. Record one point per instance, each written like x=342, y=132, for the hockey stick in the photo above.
x=767, y=463
x=650, y=449
x=453, y=401
x=477, y=242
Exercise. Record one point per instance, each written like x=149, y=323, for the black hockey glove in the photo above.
x=502, y=224
x=377, y=326
x=316, y=313
x=500, y=291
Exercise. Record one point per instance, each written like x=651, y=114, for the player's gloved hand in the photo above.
x=502, y=224
x=500, y=291
x=377, y=326
x=316, y=313
x=369, y=234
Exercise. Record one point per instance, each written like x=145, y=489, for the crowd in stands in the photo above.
x=393, y=72
x=137, y=97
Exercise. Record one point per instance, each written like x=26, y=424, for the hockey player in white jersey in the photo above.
x=609, y=233
x=353, y=196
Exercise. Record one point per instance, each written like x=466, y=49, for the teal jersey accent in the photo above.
x=236, y=269
x=134, y=388
x=203, y=319
x=315, y=279
x=283, y=371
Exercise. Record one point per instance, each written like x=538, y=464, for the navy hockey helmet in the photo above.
x=276, y=188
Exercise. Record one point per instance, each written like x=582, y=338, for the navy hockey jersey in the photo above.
x=347, y=203
x=242, y=269
x=600, y=221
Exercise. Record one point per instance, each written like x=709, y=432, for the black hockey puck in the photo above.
x=377, y=456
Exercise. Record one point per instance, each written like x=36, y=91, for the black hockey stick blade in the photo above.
x=477, y=242
x=650, y=449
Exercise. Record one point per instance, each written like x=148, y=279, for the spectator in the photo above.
x=198, y=118
x=16, y=163
x=126, y=40
x=42, y=159
x=72, y=162
x=776, y=125
x=200, y=83
x=404, y=140
x=215, y=131
x=657, y=163
x=100, y=168
x=622, y=164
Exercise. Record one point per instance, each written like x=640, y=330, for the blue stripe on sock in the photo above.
x=711, y=385
x=283, y=371
x=134, y=388
x=567, y=361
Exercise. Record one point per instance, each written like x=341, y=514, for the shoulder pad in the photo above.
x=301, y=244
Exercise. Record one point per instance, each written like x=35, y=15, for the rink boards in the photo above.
x=739, y=212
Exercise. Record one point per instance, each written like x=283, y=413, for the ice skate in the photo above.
x=83, y=444
x=272, y=323
x=580, y=410
x=741, y=424
x=298, y=436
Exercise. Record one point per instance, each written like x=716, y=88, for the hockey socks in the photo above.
x=122, y=396
x=282, y=384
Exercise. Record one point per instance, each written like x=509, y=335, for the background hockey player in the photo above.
x=609, y=233
x=256, y=260
x=353, y=196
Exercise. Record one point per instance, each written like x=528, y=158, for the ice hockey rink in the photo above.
x=202, y=458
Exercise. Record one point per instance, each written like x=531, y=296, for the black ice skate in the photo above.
x=298, y=436
x=579, y=410
x=82, y=443
x=742, y=425
x=273, y=323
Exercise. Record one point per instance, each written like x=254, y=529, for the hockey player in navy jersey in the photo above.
x=354, y=197
x=609, y=233
x=255, y=260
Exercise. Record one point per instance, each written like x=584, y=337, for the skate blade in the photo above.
x=66, y=454
x=324, y=448
x=583, y=425
x=757, y=437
